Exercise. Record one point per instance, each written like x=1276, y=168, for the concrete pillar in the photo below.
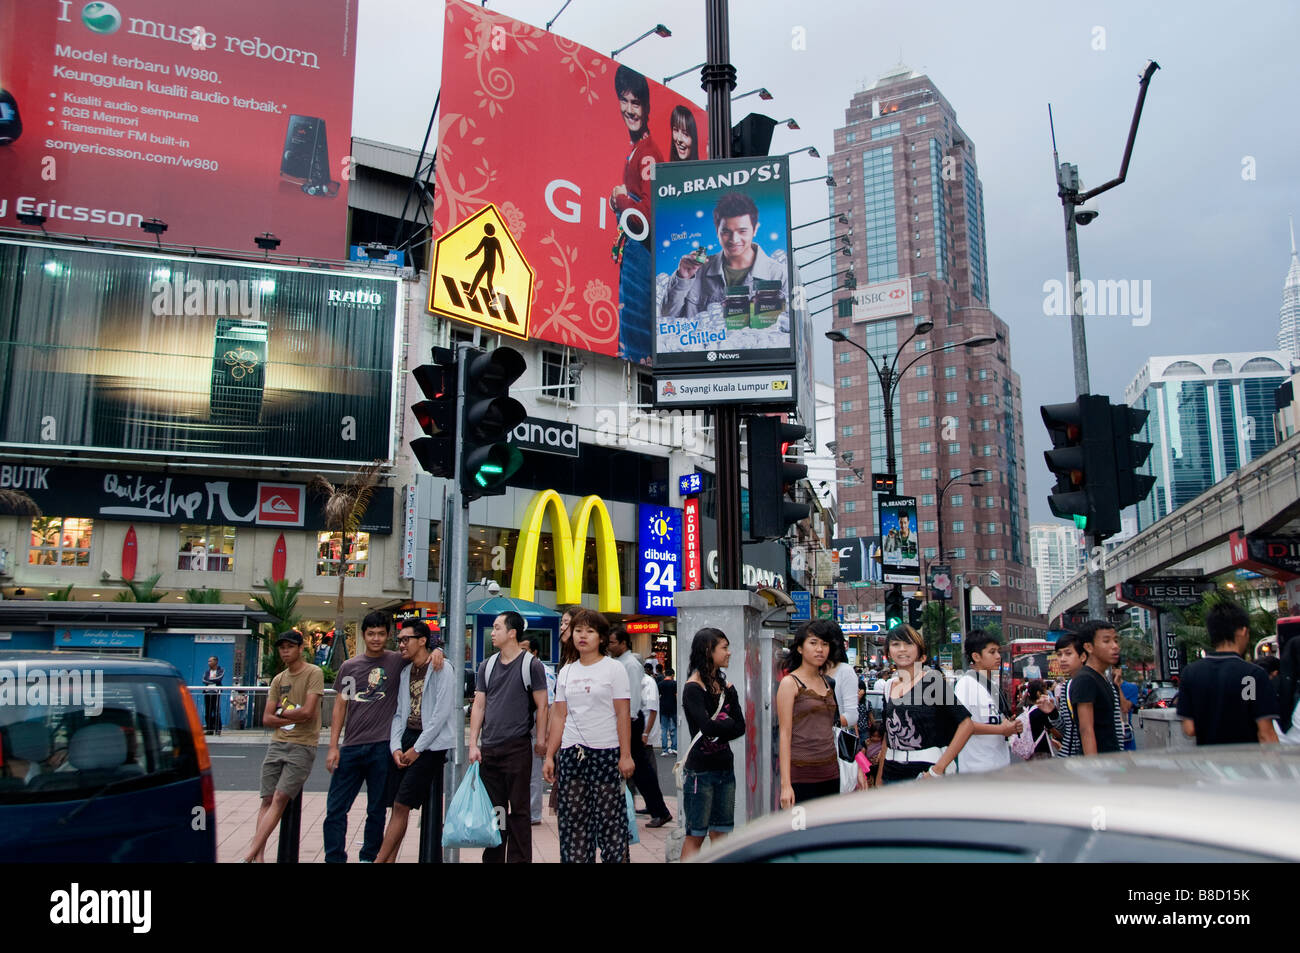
x=755, y=654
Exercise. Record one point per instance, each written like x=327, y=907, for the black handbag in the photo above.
x=847, y=744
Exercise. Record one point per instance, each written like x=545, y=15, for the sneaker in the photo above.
x=666, y=754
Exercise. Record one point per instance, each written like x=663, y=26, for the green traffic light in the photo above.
x=1080, y=521
x=893, y=623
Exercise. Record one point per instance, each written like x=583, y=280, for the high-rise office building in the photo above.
x=1057, y=552
x=1210, y=414
x=906, y=179
x=1288, y=333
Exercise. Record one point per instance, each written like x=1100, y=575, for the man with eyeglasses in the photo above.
x=421, y=732
x=366, y=702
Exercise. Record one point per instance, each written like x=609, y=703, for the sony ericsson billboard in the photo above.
x=124, y=351
x=223, y=120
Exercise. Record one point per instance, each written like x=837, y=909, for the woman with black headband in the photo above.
x=925, y=726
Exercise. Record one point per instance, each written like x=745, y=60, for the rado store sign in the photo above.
x=546, y=436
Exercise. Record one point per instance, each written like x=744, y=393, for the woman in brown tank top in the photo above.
x=806, y=716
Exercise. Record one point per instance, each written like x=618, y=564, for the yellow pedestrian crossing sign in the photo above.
x=480, y=276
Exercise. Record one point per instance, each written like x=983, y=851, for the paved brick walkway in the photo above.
x=237, y=819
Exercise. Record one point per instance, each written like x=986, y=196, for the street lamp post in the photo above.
x=943, y=491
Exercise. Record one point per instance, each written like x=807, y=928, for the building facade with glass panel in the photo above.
x=1209, y=415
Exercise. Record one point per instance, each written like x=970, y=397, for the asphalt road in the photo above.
x=238, y=767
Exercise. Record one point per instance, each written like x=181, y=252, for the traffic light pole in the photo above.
x=1078, y=340
x=719, y=80
x=1067, y=181
x=455, y=542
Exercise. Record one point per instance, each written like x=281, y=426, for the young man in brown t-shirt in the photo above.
x=293, y=710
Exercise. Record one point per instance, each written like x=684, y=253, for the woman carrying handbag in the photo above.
x=714, y=718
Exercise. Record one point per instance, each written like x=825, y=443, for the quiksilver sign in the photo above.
x=546, y=436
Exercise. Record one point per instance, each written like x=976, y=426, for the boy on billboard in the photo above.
x=700, y=282
x=633, y=196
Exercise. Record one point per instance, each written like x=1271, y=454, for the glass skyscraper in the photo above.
x=1210, y=414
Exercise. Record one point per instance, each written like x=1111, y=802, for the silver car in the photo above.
x=1208, y=805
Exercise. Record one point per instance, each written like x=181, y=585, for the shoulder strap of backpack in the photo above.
x=487, y=670
x=528, y=672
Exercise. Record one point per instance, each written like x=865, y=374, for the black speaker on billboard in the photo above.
x=752, y=136
x=11, y=123
x=306, y=156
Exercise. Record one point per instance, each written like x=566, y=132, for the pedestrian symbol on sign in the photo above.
x=480, y=276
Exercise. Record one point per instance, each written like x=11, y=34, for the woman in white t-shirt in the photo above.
x=591, y=729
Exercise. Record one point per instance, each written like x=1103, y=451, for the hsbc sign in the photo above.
x=885, y=299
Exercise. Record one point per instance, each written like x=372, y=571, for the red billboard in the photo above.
x=563, y=140
x=223, y=120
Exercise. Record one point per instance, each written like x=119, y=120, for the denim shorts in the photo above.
x=710, y=802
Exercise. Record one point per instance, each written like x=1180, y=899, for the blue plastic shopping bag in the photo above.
x=471, y=821
x=631, y=815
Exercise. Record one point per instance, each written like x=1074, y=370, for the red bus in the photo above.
x=1024, y=660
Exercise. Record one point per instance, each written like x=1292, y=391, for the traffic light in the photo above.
x=914, y=607
x=1130, y=486
x=894, y=607
x=1083, y=459
x=436, y=451
x=490, y=413
x=752, y=136
x=770, y=513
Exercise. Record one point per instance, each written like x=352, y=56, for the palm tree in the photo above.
x=142, y=591
x=280, y=603
x=62, y=595
x=938, y=620
x=345, y=504
x=203, y=596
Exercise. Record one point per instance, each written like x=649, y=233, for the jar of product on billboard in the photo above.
x=768, y=303
x=737, y=307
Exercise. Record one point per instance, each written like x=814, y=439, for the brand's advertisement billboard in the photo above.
x=187, y=357
x=564, y=141
x=223, y=120
x=660, y=563
x=885, y=299
x=901, y=561
x=722, y=264
x=153, y=497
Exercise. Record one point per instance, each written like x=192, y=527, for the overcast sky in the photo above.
x=1212, y=242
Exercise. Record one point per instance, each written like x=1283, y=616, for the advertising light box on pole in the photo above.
x=900, y=551
x=660, y=559
x=885, y=299
x=564, y=141
x=722, y=272
x=223, y=120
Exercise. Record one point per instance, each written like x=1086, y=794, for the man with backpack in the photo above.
x=510, y=687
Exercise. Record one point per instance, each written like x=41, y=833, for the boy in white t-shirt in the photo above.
x=987, y=750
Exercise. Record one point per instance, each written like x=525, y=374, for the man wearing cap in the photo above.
x=293, y=710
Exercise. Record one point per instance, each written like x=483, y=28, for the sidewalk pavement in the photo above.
x=237, y=820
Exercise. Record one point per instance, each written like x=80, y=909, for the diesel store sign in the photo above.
x=546, y=436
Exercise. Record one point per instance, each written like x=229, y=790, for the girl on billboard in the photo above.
x=686, y=141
